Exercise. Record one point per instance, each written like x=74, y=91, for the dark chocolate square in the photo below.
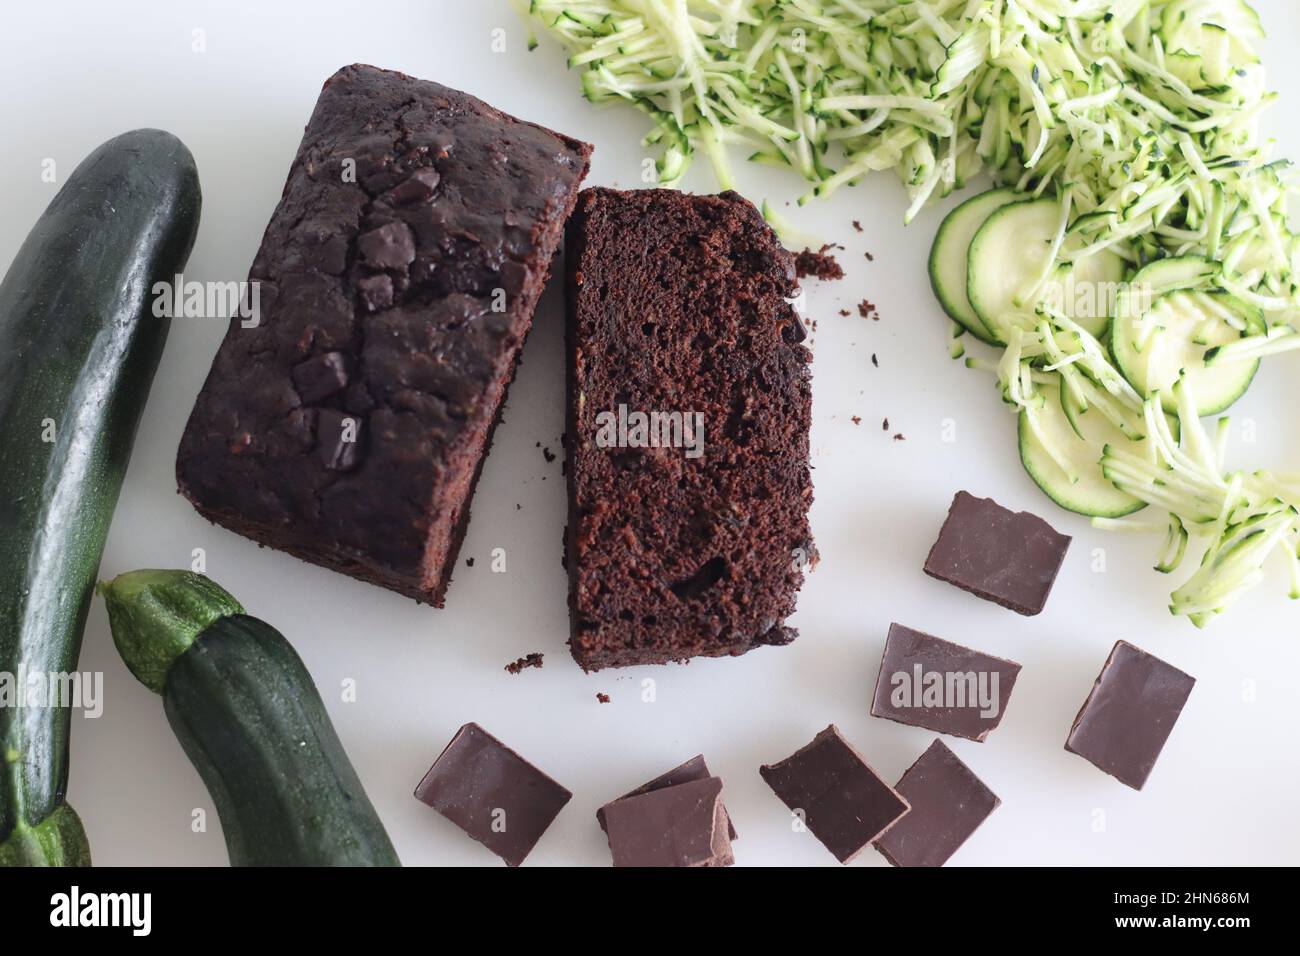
x=692, y=770
x=842, y=800
x=492, y=793
x=1124, y=723
x=681, y=825
x=1008, y=557
x=948, y=804
x=925, y=681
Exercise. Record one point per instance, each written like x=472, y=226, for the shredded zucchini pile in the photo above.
x=1140, y=117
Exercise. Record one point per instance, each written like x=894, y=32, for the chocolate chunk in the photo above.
x=376, y=292
x=418, y=188
x=320, y=377
x=338, y=439
x=928, y=682
x=948, y=804
x=795, y=332
x=513, y=276
x=839, y=797
x=683, y=825
x=1010, y=558
x=689, y=772
x=391, y=246
x=1124, y=723
x=778, y=636
x=492, y=793
x=333, y=255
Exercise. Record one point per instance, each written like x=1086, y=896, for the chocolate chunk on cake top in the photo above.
x=689, y=772
x=347, y=420
x=680, y=825
x=1008, y=557
x=948, y=804
x=492, y=793
x=1124, y=723
x=928, y=682
x=840, y=798
x=689, y=405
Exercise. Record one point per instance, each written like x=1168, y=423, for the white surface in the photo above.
x=1224, y=791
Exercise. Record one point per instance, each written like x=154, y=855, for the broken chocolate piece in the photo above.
x=320, y=377
x=689, y=772
x=418, y=187
x=684, y=825
x=928, y=682
x=391, y=246
x=1124, y=723
x=836, y=793
x=376, y=292
x=948, y=804
x=492, y=793
x=513, y=276
x=1008, y=557
x=338, y=439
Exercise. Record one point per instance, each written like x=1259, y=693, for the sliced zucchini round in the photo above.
x=1084, y=489
x=1087, y=289
x=1184, y=24
x=1007, y=256
x=948, y=262
x=1176, y=272
x=1153, y=347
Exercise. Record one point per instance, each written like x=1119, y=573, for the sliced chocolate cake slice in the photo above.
x=346, y=421
x=689, y=405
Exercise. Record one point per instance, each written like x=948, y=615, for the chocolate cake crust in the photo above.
x=397, y=280
x=682, y=304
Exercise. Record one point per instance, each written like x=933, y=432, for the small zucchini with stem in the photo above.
x=251, y=721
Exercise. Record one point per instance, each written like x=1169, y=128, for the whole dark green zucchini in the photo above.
x=251, y=721
x=78, y=348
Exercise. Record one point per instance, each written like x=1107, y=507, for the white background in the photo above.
x=1224, y=791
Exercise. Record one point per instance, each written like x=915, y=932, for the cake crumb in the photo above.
x=868, y=310
x=884, y=426
x=857, y=225
x=856, y=419
x=528, y=660
x=603, y=698
x=469, y=562
x=845, y=312
x=819, y=264
x=875, y=361
x=899, y=436
x=548, y=455
x=870, y=257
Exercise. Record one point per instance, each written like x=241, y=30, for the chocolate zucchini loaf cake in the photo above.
x=689, y=404
x=347, y=420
